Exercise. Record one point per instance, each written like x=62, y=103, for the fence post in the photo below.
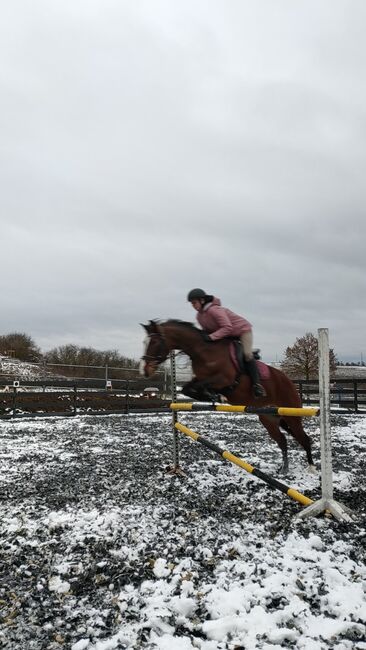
x=15, y=390
x=326, y=503
x=75, y=397
x=127, y=407
x=355, y=397
x=165, y=380
x=301, y=391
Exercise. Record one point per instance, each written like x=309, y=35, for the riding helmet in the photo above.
x=196, y=294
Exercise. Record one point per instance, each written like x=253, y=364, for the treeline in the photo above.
x=85, y=356
x=68, y=358
x=77, y=361
x=300, y=361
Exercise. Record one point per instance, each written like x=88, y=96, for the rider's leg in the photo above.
x=247, y=343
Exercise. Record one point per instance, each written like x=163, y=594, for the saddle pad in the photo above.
x=262, y=367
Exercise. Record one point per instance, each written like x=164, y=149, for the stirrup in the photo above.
x=259, y=390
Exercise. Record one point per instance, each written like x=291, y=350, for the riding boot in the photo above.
x=254, y=377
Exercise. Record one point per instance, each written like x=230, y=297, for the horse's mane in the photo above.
x=183, y=323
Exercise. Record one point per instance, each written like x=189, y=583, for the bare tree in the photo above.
x=79, y=361
x=301, y=360
x=21, y=346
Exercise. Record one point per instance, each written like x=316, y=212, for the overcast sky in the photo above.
x=149, y=147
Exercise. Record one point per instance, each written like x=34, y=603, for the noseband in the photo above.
x=162, y=351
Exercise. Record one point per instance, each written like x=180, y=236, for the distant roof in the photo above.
x=350, y=372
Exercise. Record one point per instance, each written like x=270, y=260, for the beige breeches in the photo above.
x=247, y=343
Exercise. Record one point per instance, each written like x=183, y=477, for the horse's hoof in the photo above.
x=312, y=469
x=283, y=469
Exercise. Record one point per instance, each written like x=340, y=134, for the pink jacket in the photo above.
x=220, y=322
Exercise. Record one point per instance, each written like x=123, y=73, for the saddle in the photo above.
x=239, y=355
x=238, y=359
x=204, y=392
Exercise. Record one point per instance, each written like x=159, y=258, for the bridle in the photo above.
x=162, y=351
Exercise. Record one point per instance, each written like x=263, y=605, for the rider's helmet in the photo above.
x=196, y=294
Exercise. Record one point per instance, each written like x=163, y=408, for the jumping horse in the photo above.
x=215, y=374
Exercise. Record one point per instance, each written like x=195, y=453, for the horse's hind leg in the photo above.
x=293, y=425
x=271, y=423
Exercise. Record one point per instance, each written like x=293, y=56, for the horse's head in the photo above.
x=156, y=349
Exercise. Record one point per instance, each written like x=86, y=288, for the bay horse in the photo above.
x=215, y=374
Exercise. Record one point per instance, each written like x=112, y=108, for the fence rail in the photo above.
x=74, y=401
x=347, y=394
x=91, y=382
x=72, y=395
x=67, y=396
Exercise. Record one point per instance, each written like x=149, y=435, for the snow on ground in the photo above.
x=102, y=549
x=21, y=369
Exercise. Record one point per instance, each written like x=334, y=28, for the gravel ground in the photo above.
x=101, y=548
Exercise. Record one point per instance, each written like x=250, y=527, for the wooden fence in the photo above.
x=348, y=395
x=71, y=396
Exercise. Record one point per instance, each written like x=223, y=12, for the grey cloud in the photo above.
x=151, y=147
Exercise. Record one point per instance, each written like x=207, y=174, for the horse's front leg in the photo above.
x=200, y=390
x=190, y=389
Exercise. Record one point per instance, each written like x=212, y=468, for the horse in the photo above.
x=215, y=374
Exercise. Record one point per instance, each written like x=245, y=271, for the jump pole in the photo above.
x=306, y=411
x=227, y=455
x=326, y=503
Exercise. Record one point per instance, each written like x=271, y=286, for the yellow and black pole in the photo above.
x=305, y=411
x=227, y=455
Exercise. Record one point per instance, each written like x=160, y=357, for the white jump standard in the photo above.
x=326, y=503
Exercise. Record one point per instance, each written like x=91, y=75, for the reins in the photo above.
x=162, y=351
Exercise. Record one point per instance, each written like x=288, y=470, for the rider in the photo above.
x=221, y=322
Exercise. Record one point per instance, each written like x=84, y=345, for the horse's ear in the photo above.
x=150, y=327
x=153, y=327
